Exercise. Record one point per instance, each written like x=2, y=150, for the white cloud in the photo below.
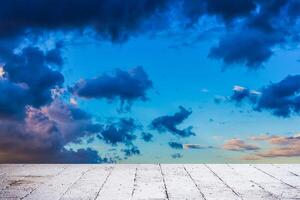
x=238, y=88
x=2, y=72
x=73, y=101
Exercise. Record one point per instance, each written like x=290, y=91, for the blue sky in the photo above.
x=218, y=79
x=186, y=76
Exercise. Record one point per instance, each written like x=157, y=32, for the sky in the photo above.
x=142, y=81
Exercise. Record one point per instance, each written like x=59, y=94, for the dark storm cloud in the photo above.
x=31, y=69
x=126, y=86
x=169, y=123
x=54, y=56
x=121, y=131
x=40, y=127
x=33, y=127
x=253, y=27
x=281, y=98
x=37, y=128
x=28, y=80
x=234, y=47
x=175, y=145
x=113, y=19
x=230, y=9
x=253, y=39
x=147, y=137
x=42, y=135
x=256, y=25
x=13, y=99
x=227, y=9
x=73, y=122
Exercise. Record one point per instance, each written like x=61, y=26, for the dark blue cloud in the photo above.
x=220, y=99
x=169, y=123
x=121, y=131
x=233, y=47
x=73, y=122
x=196, y=146
x=147, y=137
x=131, y=151
x=272, y=24
x=28, y=80
x=242, y=93
x=175, y=145
x=282, y=98
x=176, y=156
x=227, y=10
x=230, y=9
x=20, y=68
x=126, y=86
x=54, y=56
x=116, y=20
x=260, y=25
x=34, y=127
x=87, y=155
x=13, y=99
x=39, y=126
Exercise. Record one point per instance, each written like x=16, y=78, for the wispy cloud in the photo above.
x=239, y=145
x=196, y=146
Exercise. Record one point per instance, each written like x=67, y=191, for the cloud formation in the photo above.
x=147, y=137
x=241, y=93
x=133, y=150
x=20, y=87
x=175, y=145
x=239, y=145
x=281, y=99
x=219, y=99
x=126, y=86
x=249, y=24
x=196, y=146
x=227, y=10
x=230, y=53
x=13, y=103
x=115, y=20
x=252, y=24
x=121, y=131
x=270, y=24
x=42, y=135
x=284, y=146
x=35, y=126
x=169, y=123
x=176, y=155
